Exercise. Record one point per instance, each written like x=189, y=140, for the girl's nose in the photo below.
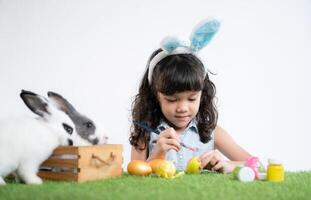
x=181, y=107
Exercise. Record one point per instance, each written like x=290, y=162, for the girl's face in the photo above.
x=180, y=108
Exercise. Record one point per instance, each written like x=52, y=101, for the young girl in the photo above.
x=176, y=104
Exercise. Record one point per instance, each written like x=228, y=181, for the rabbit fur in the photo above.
x=25, y=142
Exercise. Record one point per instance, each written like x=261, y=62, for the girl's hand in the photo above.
x=167, y=140
x=214, y=161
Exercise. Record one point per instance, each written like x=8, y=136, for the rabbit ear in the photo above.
x=203, y=33
x=36, y=103
x=171, y=43
x=61, y=102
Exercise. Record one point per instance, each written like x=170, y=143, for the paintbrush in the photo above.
x=149, y=129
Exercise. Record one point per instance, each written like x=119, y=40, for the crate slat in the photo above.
x=52, y=162
x=60, y=176
x=91, y=162
x=61, y=150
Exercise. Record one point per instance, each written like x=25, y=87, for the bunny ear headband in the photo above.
x=199, y=38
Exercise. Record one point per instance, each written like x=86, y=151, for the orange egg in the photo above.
x=155, y=164
x=139, y=168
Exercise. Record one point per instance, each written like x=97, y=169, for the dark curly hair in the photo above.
x=174, y=73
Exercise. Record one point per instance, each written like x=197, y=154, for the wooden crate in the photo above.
x=83, y=163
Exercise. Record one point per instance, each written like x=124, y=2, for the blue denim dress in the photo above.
x=189, y=137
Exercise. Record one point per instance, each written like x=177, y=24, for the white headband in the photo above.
x=200, y=37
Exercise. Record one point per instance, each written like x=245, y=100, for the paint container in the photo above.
x=257, y=166
x=275, y=172
x=244, y=174
x=262, y=176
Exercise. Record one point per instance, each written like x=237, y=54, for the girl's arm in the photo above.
x=137, y=154
x=167, y=140
x=227, y=146
x=142, y=155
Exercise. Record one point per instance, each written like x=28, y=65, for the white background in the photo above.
x=94, y=53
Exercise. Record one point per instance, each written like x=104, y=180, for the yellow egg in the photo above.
x=194, y=165
x=166, y=169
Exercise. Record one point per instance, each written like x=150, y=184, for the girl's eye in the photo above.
x=192, y=99
x=171, y=100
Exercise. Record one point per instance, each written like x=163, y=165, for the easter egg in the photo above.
x=155, y=164
x=193, y=165
x=166, y=169
x=139, y=168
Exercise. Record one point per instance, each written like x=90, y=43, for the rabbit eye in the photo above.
x=89, y=124
x=68, y=128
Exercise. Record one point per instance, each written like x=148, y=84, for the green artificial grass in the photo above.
x=297, y=185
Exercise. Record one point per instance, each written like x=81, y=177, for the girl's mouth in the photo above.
x=182, y=117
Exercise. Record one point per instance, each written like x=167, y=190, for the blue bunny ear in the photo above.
x=203, y=33
x=170, y=43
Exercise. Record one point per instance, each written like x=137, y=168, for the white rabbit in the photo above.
x=91, y=133
x=88, y=129
x=26, y=142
